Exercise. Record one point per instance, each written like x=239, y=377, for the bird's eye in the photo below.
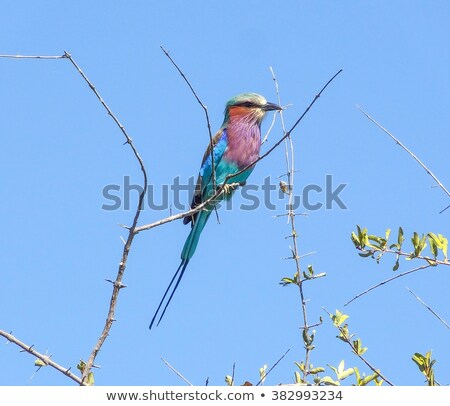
x=246, y=104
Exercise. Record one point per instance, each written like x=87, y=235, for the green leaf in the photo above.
x=262, y=373
x=400, y=238
x=433, y=247
x=348, y=372
x=286, y=281
x=300, y=366
x=297, y=377
x=39, y=363
x=341, y=372
x=357, y=346
x=343, y=333
x=366, y=380
x=338, y=318
x=229, y=380
x=90, y=379
x=444, y=243
x=415, y=240
x=396, y=266
x=317, y=370
x=81, y=365
x=327, y=380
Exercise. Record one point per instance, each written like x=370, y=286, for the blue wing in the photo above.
x=204, y=182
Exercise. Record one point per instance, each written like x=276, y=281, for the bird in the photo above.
x=235, y=147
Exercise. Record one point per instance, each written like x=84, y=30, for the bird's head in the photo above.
x=250, y=107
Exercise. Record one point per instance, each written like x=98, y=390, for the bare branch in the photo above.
x=205, y=109
x=34, y=56
x=429, y=308
x=117, y=285
x=387, y=281
x=410, y=153
x=44, y=358
x=174, y=370
x=271, y=369
x=131, y=231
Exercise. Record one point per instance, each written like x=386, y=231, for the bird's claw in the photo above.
x=230, y=187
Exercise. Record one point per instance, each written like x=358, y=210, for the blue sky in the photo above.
x=60, y=149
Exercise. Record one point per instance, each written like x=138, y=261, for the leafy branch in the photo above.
x=357, y=348
x=376, y=247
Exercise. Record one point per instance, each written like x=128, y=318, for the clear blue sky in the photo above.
x=59, y=149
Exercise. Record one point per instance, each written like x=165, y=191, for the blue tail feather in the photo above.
x=191, y=242
x=188, y=250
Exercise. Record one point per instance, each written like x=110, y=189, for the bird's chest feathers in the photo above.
x=244, y=142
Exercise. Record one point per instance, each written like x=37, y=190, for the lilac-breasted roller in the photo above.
x=235, y=146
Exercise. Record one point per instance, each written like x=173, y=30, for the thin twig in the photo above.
x=273, y=366
x=410, y=153
x=387, y=281
x=117, y=285
x=205, y=109
x=290, y=171
x=33, y=56
x=44, y=358
x=174, y=370
x=232, y=373
x=429, y=308
x=270, y=128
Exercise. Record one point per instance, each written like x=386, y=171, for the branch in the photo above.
x=205, y=109
x=174, y=370
x=431, y=261
x=117, y=284
x=410, y=153
x=345, y=337
x=387, y=281
x=273, y=366
x=34, y=56
x=44, y=358
x=429, y=308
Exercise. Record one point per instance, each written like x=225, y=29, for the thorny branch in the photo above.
x=117, y=284
x=46, y=359
x=290, y=168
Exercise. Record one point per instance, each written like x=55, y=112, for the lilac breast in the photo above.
x=244, y=142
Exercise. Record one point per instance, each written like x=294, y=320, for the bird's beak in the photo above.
x=271, y=106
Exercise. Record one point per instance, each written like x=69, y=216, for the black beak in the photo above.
x=271, y=106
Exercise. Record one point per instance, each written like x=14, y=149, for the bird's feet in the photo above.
x=229, y=188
